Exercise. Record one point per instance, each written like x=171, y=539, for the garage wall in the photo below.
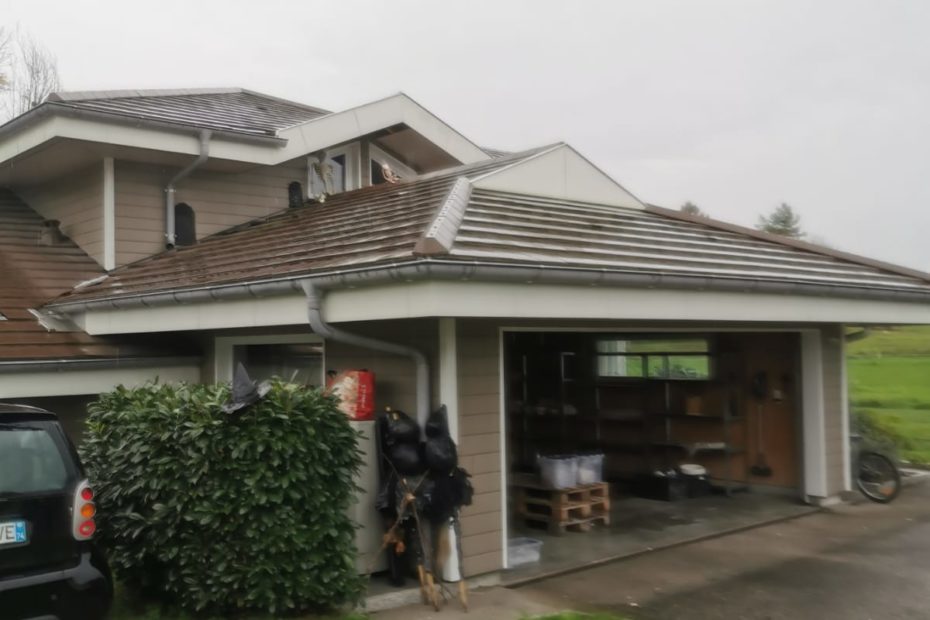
x=834, y=407
x=479, y=444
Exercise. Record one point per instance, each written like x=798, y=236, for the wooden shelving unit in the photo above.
x=559, y=402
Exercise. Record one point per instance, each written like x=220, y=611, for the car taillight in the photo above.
x=83, y=525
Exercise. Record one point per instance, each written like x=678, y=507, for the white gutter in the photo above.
x=437, y=269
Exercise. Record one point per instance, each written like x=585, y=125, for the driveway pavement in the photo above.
x=852, y=562
x=861, y=561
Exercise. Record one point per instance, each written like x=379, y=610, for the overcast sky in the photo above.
x=736, y=106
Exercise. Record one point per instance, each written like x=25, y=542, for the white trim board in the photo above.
x=515, y=301
x=562, y=173
x=72, y=382
x=109, y=214
x=814, y=431
x=540, y=301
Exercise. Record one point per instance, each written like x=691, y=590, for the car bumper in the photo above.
x=82, y=592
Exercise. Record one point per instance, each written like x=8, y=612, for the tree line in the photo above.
x=783, y=220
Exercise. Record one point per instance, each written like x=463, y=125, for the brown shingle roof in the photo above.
x=382, y=224
x=30, y=275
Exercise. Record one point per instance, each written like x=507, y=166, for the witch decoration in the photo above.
x=422, y=491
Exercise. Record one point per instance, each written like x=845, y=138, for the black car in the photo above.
x=49, y=564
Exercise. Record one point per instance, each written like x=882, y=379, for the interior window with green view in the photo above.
x=654, y=358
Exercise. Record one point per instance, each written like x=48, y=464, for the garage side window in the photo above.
x=647, y=358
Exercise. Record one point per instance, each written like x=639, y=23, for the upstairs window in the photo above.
x=339, y=172
x=185, y=225
x=384, y=165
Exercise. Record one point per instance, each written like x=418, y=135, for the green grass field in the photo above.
x=889, y=380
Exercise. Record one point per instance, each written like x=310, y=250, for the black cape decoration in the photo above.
x=244, y=391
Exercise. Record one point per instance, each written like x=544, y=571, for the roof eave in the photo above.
x=788, y=241
x=427, y=268
x=51, y=108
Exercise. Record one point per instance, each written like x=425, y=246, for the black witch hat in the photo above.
x=244, y=391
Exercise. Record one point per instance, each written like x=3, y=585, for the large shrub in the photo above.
x=226, y=512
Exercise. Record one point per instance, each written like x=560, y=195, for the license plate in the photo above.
x=12, y=533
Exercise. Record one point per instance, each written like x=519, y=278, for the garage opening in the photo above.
x=618, y=442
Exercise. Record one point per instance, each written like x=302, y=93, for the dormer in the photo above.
x=118, y=169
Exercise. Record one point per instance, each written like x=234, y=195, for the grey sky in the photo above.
x=736, y=106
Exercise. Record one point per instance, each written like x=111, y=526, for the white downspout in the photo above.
x=319, y=326
x=169, y=189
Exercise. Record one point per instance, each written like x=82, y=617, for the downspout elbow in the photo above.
x=320, y=327
x=204, y=154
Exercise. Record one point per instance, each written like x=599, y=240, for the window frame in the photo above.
x=379, y=155
x=353, y=174
x=647, y=357
x=224, y=349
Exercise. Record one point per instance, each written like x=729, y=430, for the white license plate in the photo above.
x=12, y=532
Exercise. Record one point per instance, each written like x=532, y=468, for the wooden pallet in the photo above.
x=575, y=509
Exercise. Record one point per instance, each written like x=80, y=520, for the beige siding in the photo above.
x=75, y=200
x=479, y=410
x=479, y=443
x=219, y=200
x=834, y=407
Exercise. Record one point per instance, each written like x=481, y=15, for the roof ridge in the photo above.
x=91, y=95
x=84, y=95
x=797, y=244
x=494, y=162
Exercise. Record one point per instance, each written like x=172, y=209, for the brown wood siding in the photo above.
x=479, y=443
x=220, y=200
x=76, y=201
x=833, y=399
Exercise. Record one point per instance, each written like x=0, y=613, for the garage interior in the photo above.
x=726, y=403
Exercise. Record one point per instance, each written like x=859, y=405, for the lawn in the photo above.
x=889, y=379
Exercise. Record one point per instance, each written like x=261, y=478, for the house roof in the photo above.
x=222, y=109
x=386, y=224
x=30, y=275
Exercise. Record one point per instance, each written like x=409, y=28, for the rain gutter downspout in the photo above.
x=318, y=324
x=169, y=189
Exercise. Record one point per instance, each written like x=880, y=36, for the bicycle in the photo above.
x=875, y=474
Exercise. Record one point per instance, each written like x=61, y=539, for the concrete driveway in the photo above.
x=860, y=561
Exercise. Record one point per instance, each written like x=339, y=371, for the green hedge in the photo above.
x=226, y=512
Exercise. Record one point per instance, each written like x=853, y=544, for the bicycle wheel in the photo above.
x=878, y=478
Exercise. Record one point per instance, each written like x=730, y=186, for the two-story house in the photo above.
x=171, y=234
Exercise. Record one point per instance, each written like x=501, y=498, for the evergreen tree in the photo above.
x=782, y=221
x=692, y=209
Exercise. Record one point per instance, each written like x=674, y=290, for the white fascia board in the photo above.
x=302, y=139
x=478, y=299
x=353, y=123
x=72, y=382
x=531, y=301
x=261, y=312
x=560, y=173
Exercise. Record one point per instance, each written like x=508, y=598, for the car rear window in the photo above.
x=30, y=461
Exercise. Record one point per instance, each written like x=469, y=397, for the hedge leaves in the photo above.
x=226, y=512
